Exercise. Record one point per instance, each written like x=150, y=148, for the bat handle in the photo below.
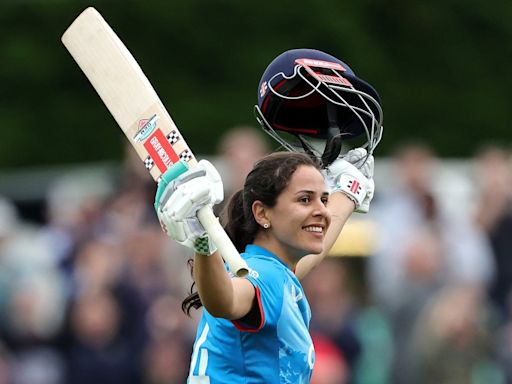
x=229, y=253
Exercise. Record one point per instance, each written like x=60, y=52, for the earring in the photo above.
x=266, y=225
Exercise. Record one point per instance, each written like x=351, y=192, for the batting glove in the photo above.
x=344, y=176
x=365, y=163
x=178, y=201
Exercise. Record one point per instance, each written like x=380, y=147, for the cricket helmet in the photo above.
x=307, y=93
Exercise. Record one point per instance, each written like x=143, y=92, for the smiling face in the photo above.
x=299, y=219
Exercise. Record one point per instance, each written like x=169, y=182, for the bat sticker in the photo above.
x=160, y=151
x=186, y=155
x=173, y=137
x=148, y=163
x=146, y=127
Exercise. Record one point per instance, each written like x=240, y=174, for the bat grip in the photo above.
x=229, y=253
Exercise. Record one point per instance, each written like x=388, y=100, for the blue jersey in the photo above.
x=279, y=350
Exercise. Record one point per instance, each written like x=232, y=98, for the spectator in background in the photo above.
x=171, y=335
x=99, y=350
x=452, y=339
x=333, y=325
x=32, y=303
x=238, y=150
x=9, y=228
x=73, y=205
x=105, y=331
x=166, y=360
x=9, y=219
x=134, y=175
x=5, y=360
x=422, y=247
x=493, y=176
x=330, y=364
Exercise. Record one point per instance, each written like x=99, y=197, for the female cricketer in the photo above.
x=283, y=221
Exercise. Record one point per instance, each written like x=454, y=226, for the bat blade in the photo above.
x=126, y=91
x=131, y=99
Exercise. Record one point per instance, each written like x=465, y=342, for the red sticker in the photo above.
x=160, y=151
x=321, y=64
x=325, y=71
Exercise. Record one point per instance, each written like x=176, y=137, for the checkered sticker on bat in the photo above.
x=148, y=163
x=186, y=155
x=173, y=137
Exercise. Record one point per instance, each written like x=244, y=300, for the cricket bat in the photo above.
x=136, y=107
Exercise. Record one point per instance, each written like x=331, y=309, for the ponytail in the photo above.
x=192, y=300
x=239, y=223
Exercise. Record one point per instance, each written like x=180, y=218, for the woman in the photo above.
x=255, y=329
x=283, y=221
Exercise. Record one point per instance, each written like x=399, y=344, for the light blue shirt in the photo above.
x=278, y=351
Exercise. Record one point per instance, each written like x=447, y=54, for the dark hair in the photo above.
x=268, y=178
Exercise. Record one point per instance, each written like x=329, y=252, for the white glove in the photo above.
x=177, y=204
x=344, y=176
x=358, y=157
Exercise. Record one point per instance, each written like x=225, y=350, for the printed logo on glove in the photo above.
x=344, y=176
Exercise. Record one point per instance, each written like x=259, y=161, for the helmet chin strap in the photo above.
x=333, y=143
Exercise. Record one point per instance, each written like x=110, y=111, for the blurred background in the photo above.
x=418, y=291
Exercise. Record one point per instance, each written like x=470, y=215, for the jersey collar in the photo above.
x=253, y=249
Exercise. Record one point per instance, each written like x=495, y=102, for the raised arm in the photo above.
x=177, y=204
x=223, y=296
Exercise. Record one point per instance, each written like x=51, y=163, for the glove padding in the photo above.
x=178, y=202
x=344, y=176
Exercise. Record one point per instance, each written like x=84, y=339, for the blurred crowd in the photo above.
x=93, y=294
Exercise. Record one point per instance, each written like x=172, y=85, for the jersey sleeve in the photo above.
x=268, y=280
